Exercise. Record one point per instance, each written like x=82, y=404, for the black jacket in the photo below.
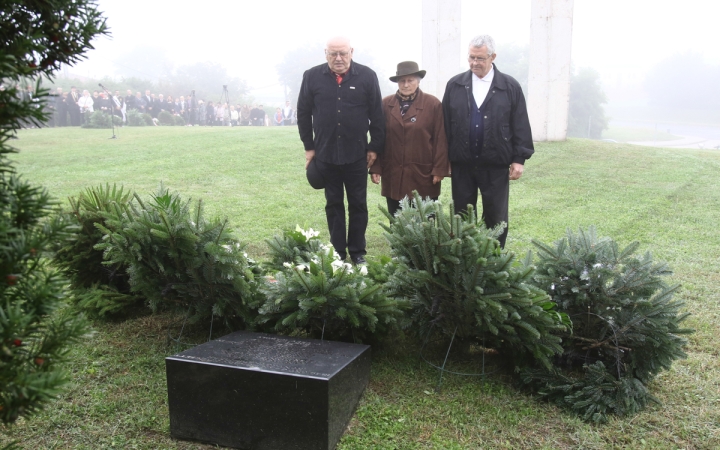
x=340, y=116
x=257, y=114
x=507, y=137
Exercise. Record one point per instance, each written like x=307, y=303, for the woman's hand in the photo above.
x=375, y=177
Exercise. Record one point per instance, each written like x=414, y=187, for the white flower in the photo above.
x=309, y=234
x=363, y=270
x=338, y=265
x=288, y=265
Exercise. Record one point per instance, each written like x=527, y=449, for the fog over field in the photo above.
x=640, y=48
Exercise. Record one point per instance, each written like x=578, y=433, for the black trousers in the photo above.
x=494, y=186
x=75, y=117
x=61, y=118
x=350, y=179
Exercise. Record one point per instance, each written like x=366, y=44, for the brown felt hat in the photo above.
x=406, y=68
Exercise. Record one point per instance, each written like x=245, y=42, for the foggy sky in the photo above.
x=250, y=37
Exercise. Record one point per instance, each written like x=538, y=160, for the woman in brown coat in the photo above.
x=415, y=156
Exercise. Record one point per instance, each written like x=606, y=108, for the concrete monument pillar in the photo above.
x=440, y=44
x=549, y=74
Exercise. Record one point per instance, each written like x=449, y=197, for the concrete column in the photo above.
x=440, y=44
x=549, y=74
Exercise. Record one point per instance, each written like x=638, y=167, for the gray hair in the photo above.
x=483, y=39
x=338, y=41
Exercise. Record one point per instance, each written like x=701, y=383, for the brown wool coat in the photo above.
x=415, y=148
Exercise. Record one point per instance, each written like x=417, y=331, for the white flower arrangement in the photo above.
x=309, y=234
x=336, y=265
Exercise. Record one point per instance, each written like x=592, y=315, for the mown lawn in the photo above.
x=667, y=199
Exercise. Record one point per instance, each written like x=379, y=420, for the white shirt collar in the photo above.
x=487, y=78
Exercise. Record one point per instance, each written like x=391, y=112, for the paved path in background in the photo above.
x=685, y=142
x=692, y=136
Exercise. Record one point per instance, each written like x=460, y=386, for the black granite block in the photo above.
x=261, y=391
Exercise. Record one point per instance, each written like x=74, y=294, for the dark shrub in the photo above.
x=165, y=118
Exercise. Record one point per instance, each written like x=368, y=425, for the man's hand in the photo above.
x=437, y=179
x=516, y=171
x=375, y=177
x=309, y=155
x=371, y=157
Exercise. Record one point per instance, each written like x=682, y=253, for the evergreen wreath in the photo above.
x=179, y=260
x=457, y=278
x=626, y=325
x=97, y=289
x=321, y=295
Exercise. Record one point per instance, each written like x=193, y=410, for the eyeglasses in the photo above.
x=336, y=54
x=477, y=59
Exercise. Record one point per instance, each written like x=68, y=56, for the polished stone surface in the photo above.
x=261, y=391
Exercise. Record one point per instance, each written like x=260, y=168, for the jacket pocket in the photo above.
x=355, y=96
x=506, y=134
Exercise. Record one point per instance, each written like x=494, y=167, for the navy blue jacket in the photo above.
x=506, y=136
x=334, y=120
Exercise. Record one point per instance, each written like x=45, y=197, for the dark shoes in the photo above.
x=359, y=260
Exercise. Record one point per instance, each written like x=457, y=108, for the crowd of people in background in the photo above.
x=72, y=108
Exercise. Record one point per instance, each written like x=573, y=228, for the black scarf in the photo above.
x=405, y=101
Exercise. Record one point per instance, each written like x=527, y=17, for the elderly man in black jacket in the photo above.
x=488, y=133
x=338, y=104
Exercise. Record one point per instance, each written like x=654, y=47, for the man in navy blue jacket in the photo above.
x=338, y=104
x=488, y=132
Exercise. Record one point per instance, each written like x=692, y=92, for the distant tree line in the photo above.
x=206, y=78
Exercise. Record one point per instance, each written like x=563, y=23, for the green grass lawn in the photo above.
x=667, y=199
x=630, y=134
